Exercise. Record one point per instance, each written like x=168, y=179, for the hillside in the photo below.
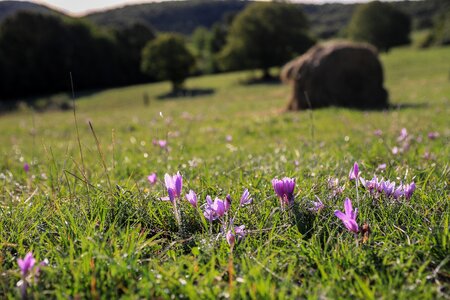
x=177, y=16
x=326, y=20
x=8, y=8
x=184, y=16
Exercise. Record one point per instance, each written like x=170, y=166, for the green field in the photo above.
x=95, y=217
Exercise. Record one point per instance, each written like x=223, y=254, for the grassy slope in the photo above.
x=121, y=240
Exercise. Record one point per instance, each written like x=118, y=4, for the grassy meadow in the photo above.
x=87, y=207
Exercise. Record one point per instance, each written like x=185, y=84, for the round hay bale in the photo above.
x=336, y=74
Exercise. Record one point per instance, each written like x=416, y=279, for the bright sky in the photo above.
x=79, y=7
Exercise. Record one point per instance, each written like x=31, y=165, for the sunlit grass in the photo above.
x=115, y=238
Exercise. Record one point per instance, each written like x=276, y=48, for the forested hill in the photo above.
x=326, y=20
x=184, y=16
x=8, y=8
x=174, y=16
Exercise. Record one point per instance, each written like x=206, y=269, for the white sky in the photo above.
x=80, y=7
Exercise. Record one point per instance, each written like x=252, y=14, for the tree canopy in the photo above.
x=38, y=51
x=380, y=24
x=265, y=35
x=167, y=58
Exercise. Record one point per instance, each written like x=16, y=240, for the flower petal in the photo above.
x=348, y=207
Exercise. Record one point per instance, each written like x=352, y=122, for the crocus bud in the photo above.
x=152, y=178
x=354, y=172
x=192, y=198
x=231, y=239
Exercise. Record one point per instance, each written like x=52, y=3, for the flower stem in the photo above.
x=230, y=271
x=23, y=288
x=177, y=214
x=357, y=193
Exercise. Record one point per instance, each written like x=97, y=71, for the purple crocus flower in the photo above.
x=227, y=202
x=218, y=206
x=317, y=205
x=398, y=192
x=284, y=189
x=174, y=185
x=192, y=198
x=333, y=185
x=403, y=135
x=209, y=212
x=372, y=185
x=26, y=167
x=354, y=172
x=26, y=264
x=433, y=135
x=388, y=188
x=215, y=209
x=408, y=190
x=162, y=144
x=231, y=239
x=43, y=263
x=240, y=231
x=381, y=167
x=152, y=178
x=245, y=198
x=349, y=218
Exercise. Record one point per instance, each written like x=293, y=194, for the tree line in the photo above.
x=38, y=51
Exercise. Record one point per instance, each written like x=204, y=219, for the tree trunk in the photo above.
x=176, y=87
x=266, y=74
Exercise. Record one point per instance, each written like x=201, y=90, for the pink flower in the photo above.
x=227, y=202
x=174, y=185
x=381, y=167
x=395, y=150
x=240, y=231
x=152, y=178
x=433, y=135
x=403, y=135
x=354, y=172
x=408, y=190
x=228, y=138
x=26, y=264
x=245, y=198
x=317, y=205
x=215, y=209
x=231, y=239
x=349, y=218
x=192, y=198
x=161, y=143
x=284, y=189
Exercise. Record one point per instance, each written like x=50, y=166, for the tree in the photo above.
x=38, y=61
x=440, y=33
x=265, y=35
x=130, y=42
x=380, y=24
x=167, y=58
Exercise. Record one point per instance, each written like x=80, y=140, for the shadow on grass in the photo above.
x=303, y=220
x=45, y=102
x=260, y=81
x=408, y=105
x=186, y=93
x=388, y=108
